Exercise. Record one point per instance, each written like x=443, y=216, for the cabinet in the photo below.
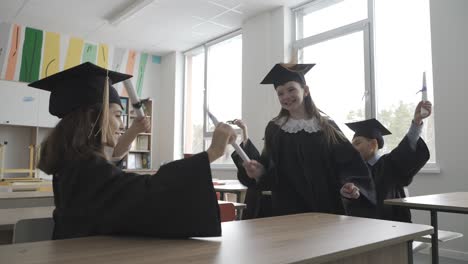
x=18, y=104
x=139, y=156
x=21, y=105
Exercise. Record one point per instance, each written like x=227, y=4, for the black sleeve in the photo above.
x=350, y=167
x=402, y=163
x=178, y=201
x=264, y=158
x=252, y=152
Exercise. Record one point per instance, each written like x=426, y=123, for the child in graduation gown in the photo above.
x=393, y=171
x=94, y=197
x=306, y=162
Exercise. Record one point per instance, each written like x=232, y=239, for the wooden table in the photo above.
x=231, y=186
x=302, y=238
x=25, y=199
x=445, y=202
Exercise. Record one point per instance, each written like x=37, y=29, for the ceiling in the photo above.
x=161, y=27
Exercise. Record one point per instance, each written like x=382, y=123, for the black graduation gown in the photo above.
x=306, y=175
x=394, y=171
x=94, y=197
x=258, y=205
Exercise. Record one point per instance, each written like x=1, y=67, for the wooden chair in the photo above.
x=32, y=230
x=227, y=212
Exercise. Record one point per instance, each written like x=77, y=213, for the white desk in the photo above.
x=26, y=199
x=230, y=186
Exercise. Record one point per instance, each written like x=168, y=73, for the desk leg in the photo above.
x=221, y=196
x=239, y=214
x=410, y=252
x=435, y=238
x=238, y=197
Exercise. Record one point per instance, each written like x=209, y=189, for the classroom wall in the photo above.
x=168, y=114
x=450, y=71
x=266, y=41
x=151, y=86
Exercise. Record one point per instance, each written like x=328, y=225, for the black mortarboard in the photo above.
x=282, y=73
x=79, y=86
x=371, y=129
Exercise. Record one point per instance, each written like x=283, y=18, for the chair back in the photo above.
x=227, y=211
x=32, y=230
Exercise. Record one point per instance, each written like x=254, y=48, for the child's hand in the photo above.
x=417, y=112
x=350, y=191
x=254, y=169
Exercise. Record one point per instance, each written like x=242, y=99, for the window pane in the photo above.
x=225, y=80
x=226, y=158
x=224, y=85
x=403, y=53
x=330, y=14
x=194, y=89
x=337, y=82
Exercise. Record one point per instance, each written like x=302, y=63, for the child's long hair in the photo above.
x=76, y=137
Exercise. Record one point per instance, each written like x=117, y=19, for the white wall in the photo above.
x=450, y=70
x=167, y=112
x=266, y=41
x=151, y=87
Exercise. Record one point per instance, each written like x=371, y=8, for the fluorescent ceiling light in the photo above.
x=128, y=12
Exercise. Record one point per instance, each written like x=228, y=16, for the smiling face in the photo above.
x=116, y=126
x=291, y=96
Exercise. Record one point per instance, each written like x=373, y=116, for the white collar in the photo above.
x=296, y=125
x=374, y=159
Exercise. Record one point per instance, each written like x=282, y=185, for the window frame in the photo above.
x=206, y=134
x=367, y=27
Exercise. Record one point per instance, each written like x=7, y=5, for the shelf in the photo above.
x=139, y=155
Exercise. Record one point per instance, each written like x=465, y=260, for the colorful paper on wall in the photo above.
x=141, y=72
x=13, y=53
x=45, y=53
x=4, y=38
x=75, y=48
x=89, y=53
x=51, y=54
x=130, y=67
x=103, y=56
x=31, y=59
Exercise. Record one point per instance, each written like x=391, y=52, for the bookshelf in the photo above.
x=139, y=155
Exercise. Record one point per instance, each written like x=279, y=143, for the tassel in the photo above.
x=292, y=64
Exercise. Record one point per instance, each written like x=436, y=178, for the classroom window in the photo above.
x=370, y=56
x=213, y=80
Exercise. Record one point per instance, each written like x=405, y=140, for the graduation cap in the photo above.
x=82, y=85
x=371, y=129
x=282, y=73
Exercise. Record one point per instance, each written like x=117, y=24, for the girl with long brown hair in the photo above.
x=306, y=162
x=93, y=196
